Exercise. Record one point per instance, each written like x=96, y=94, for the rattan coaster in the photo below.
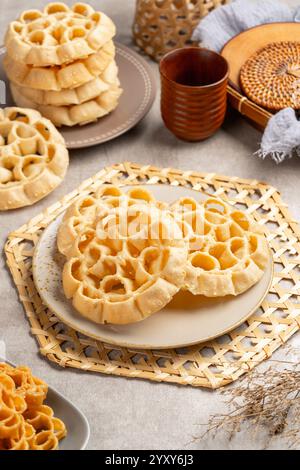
x=211, y=364
x=271, y=77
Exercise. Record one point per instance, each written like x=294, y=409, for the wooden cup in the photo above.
x=193, y=92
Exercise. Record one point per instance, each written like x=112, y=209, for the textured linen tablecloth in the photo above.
x=129, y=413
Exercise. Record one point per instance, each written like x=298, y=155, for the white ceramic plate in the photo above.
x=185, y=321
x=76, y=423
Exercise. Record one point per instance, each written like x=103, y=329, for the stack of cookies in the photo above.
x=61, y=61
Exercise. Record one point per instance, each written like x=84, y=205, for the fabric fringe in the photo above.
x=278, y=157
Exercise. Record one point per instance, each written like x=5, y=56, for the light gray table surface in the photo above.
x=130, y=413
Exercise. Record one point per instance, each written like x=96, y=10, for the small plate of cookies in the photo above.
x=34, y=416
x=63, y=62
x=152, y=267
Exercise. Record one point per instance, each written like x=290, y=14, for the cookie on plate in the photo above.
x=58, y=35
x=126, y=255
x=59, y=78
x=74, y=96
x=73, y=115
x=228, y=253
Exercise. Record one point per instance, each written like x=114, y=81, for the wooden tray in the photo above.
x=241, y=48
x=211, y=364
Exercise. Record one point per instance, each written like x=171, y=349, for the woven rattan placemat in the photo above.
x=211, y=364
x=271, y=76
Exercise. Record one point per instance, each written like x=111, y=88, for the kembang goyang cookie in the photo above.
x=80, y=114
x=57, y=35
x=59, y=78
x=227, y=251
x=61, y=62
x=26, y=423
x=33, y=157
x=74, y=96
x=126, y=255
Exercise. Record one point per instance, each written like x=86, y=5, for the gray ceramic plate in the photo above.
x=138, y=82
x=186, y=320
x=76, y=423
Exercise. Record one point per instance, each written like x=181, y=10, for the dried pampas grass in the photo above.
x=267, y=400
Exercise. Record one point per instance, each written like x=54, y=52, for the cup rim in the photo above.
x=187, y=90
x=195, y=87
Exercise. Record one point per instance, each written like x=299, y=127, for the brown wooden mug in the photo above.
x=193, y=92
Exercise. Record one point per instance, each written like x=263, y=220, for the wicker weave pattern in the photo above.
x=271, y=77
x=213, y=364
x=162, y=25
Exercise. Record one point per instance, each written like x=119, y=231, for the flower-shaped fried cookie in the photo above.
x=227, y=250
x=58, y=34
x=126, y=255
x=33, y=157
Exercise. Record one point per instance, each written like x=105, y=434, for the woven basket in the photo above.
x=162, y=25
